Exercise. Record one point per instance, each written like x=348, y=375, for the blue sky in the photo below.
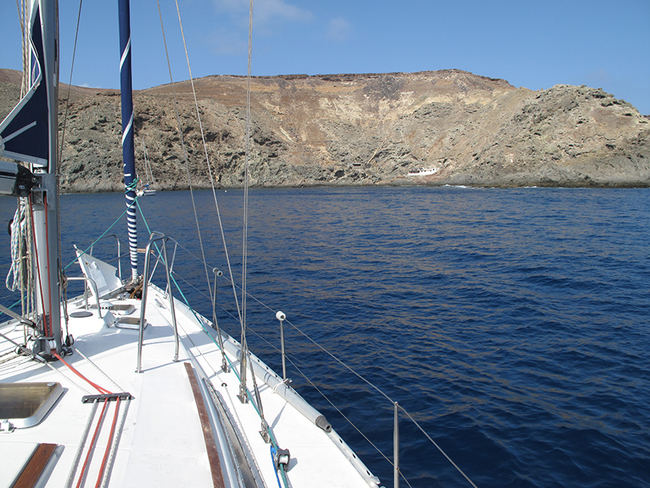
x=531, y=44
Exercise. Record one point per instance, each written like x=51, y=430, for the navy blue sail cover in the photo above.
x=24, y=132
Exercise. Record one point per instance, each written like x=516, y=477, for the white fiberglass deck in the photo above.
x=162, y=441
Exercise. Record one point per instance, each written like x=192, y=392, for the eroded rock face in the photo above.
x=443, y=127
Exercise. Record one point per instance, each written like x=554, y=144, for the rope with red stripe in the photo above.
x=94, y=385
x=92, y=446
x=111, y=435
x=108, y=443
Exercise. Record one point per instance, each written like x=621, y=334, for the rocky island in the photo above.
x=433, y=128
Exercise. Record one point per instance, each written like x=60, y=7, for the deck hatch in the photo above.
x=25, y=404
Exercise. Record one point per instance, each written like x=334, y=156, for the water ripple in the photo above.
x=512, y=324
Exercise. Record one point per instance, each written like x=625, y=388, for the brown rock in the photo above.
x=443, y=127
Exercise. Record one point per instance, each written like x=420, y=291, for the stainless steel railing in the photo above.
x=88, y=282
x=119, y=252
x=161, y=256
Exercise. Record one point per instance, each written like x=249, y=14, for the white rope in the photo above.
x=21, y=19
x=14, y=275
x=19, y=276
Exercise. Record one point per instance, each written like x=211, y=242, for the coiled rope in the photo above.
x=14, y=278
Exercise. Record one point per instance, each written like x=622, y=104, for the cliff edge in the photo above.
x=441, y=127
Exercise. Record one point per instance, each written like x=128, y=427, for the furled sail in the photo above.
x=24, y=133
x=29, y=134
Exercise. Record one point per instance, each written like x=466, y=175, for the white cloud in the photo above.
x=266, y=11
x=269, y=9
x=339, y=29
x=269, y=17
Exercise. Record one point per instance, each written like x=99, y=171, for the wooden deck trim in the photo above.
x=35, y=466
x=210, y=446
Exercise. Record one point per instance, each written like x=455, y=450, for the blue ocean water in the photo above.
x=512, y=324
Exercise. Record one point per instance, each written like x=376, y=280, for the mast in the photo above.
x=127, y=132
x=46, y=228
x=29, y=133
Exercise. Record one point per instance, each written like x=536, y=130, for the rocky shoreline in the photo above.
x=429, y=128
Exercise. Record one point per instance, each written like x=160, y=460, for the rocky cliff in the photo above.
x=442, y=127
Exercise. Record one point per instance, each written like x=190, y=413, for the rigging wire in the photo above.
x=244, y=394
x=309, y=338
x=212, y=297
x=67, y=98
x=119, y=388
x=85, y=251
x=348, y=420
x=22, y=20
x=206, y=330
x=243, y=341
x=381, y=453
x=362, y=378
x=196, y=106
x=437, y=447
x=59, y=157
x=365, y=380
x=209, y=166
x=147, y=165
x=184, y=149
